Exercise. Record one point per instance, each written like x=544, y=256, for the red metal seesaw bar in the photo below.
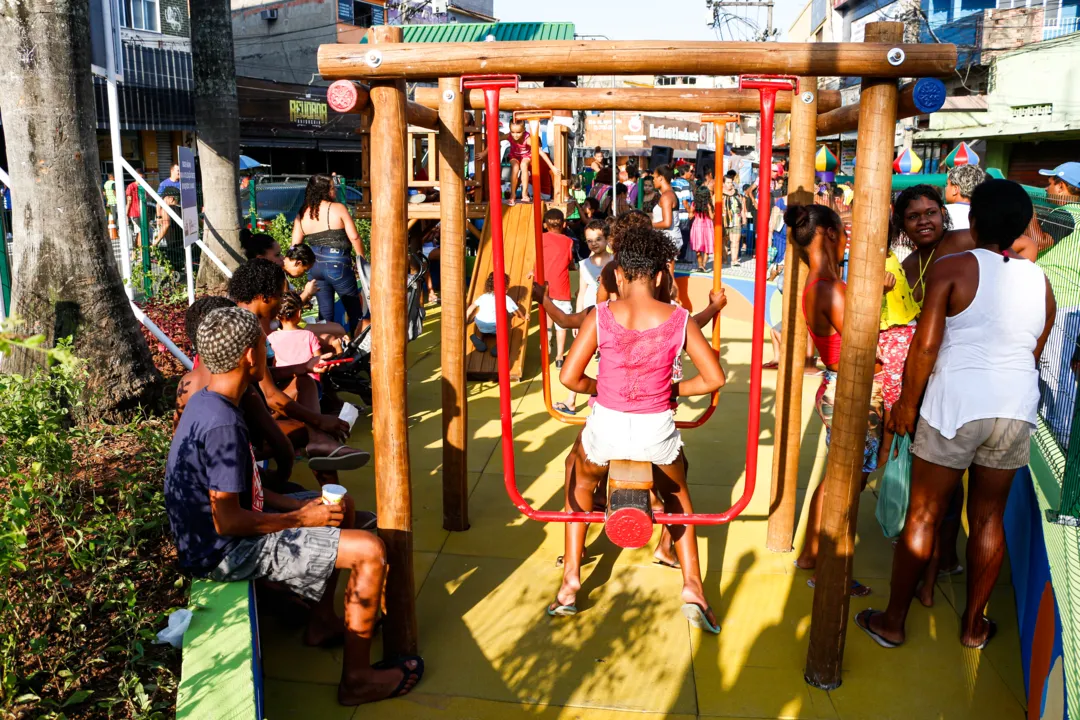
x=491, y=85
x=767, y=86
x=545, y=348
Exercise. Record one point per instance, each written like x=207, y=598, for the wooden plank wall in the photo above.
x=520, y=248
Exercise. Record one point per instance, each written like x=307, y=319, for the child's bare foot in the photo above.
x=805, y=563
x=379, y=682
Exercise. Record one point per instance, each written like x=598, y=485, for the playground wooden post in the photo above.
x=843, y=485
x=789, y=377
x=452, y=267
x=719, y=123
x=390, y=430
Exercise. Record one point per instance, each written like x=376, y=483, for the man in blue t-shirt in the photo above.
x=229, y=528
x=172, y=181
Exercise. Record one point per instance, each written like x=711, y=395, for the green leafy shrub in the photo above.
x=87, y=567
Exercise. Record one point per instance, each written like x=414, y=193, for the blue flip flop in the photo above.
x=699, y=618
x=560, y=610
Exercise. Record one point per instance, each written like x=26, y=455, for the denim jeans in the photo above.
x=334, y=272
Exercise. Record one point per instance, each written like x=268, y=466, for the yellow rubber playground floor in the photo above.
x=493, y=654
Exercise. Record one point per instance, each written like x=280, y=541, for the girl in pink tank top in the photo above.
x=639, y=338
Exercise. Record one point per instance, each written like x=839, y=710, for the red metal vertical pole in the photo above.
x=753, y=430
x=502, y=323
x=538, y=228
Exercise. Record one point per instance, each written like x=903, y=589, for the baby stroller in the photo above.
x=355, y=376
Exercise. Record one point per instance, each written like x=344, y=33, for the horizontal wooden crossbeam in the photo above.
x=635, y=99
x=921, y=97
x=570, y=58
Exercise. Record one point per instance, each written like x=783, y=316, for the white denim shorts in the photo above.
x=613, y=435
x=567, y=307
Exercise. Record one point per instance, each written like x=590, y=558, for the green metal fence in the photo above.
x=1056, y=230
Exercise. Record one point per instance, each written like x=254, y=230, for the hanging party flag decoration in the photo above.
x=824, y=160
x=907, y=163
x=962, y=154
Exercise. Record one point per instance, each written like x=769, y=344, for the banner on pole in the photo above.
x=188, y=200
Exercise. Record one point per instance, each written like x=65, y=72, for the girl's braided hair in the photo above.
x=291, y=305
x=643, y=252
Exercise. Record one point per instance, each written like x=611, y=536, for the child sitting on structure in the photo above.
x=639, y=338
x=292, y=344
x=520, y=160
x=485, y=308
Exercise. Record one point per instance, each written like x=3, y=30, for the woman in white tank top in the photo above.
x=667, y=207
x=984, y=323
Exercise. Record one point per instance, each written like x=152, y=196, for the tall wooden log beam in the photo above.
x=428, y=61
x=636, y=99
x=390, y=430
x=924, y=96
x=789, y=377
x=862, y=309
x=452, y=266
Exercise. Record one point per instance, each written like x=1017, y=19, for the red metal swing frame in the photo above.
x=492, y=85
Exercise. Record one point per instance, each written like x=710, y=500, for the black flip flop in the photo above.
x=564, y=409
x=401, y=664
x=674, y=566
x=863, y=621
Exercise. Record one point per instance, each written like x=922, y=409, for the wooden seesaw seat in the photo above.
x=629, y=522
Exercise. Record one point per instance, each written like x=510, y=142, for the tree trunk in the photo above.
x=66, y=280
x=217, y=122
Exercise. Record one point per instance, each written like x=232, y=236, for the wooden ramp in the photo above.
x=519, y=243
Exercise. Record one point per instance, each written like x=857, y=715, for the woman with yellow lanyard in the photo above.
x=919, y=214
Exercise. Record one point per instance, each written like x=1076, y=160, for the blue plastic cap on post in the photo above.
x=929, y=94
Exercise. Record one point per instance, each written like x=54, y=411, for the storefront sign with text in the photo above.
x=312, y=113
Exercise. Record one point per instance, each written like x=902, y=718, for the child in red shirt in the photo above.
x=558, y=258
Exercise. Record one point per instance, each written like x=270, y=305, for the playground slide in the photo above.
x=520, y=249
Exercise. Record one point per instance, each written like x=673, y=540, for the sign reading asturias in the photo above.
x=308, y=112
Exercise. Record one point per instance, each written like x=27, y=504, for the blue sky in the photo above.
x=636, y=19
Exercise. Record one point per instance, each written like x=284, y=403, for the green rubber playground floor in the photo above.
x=492, y=653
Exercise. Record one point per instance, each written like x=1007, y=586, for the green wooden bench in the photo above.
x=221, y=677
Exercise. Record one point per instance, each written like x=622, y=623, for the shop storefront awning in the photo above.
x=339, y=145
x=479, y=32
x=296, y=143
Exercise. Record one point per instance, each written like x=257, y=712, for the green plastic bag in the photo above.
x=895, y=490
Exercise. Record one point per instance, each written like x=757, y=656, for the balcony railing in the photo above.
x=1066, y=26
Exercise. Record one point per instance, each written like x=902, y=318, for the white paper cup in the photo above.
x=349, y=413
x=333, y=494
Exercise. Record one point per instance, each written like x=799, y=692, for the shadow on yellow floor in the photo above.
x=492, y=653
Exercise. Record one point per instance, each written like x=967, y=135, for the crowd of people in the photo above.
x=968, y=307
x=975, y=289
x=254, y=396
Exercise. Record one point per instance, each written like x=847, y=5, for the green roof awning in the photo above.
x=478, y=32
